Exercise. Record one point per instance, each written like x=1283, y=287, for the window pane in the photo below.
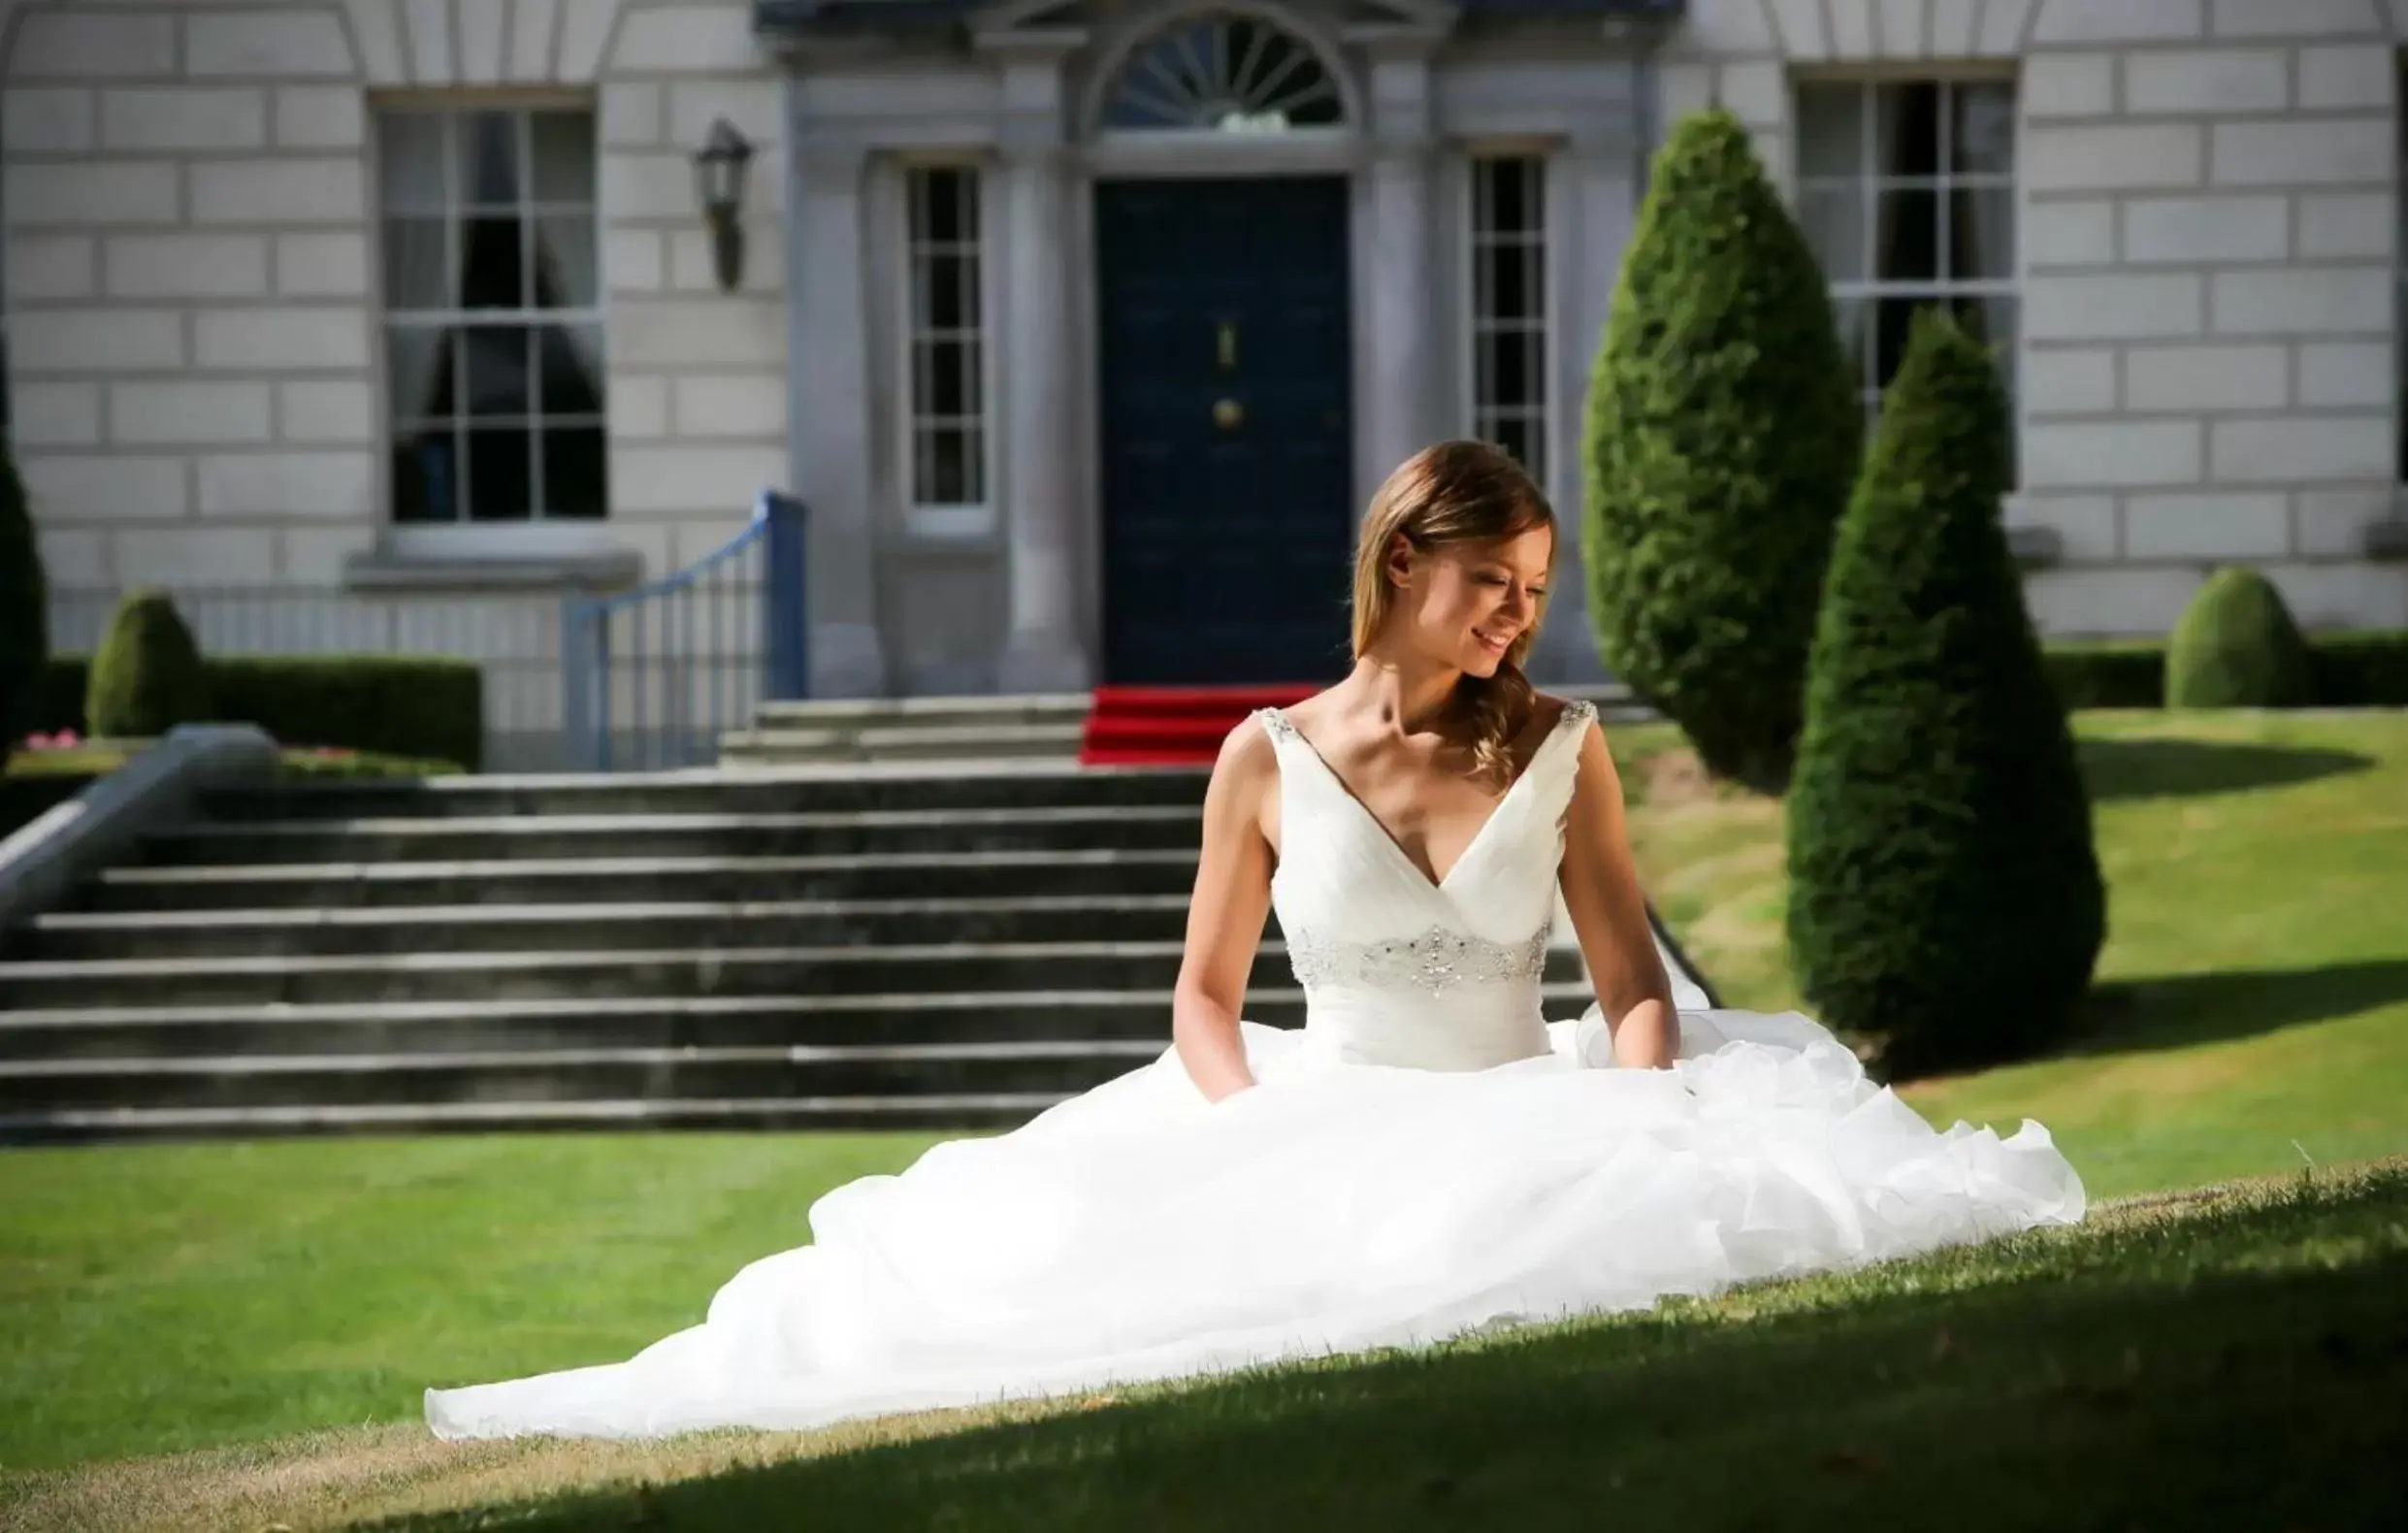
x=570, y=376
x=409, y=162
x=1891, y=318
x=418, y=369
x=943, y=362
x=498, y=372
x=1834, y=226
x=948, y=292
x=426, y=480
x=565, y=263
x=574, y=476
x=562, y=145
x=1852, y=318
x=949, y=463
x=1509, y=196
x=1500, y=280
x=1518, y=435
x=1906, y=128
x=492, y=270
x=1831, y=129
x=1512, y=358
x=1992, y=321
x=501, y=476
x=489, y=158
x=941, y=211
x=1983, y=129
x=417, y=264
x=1907, y=246
x=1982, y=233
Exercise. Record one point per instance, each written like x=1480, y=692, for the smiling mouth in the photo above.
x=1491, y=641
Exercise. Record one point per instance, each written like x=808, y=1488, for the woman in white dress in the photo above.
x=1427, y=1157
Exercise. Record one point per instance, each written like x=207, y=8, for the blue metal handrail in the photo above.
x=607, y=650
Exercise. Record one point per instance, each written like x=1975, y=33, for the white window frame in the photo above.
x=973, y=516
x=541, y=529
x=1941, y=287
x=1483, y=416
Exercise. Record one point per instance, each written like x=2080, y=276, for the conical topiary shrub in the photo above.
x=24, y=609
x=147, y=675
x=1945, y=894
x=2235, y=646
x=1722, y=437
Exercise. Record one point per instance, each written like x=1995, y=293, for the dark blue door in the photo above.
x=1227, y=485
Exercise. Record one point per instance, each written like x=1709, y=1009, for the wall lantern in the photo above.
x=719, y=168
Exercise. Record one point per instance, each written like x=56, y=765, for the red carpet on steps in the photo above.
x=1173, y=726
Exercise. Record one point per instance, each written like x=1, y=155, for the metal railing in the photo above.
x=653, y=677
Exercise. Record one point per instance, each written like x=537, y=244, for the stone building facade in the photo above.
x=1085, y=328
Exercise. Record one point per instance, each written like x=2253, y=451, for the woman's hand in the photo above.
x=1610, y=915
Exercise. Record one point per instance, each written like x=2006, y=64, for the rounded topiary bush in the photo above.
x=2235, y=646
x=147, y=675
x=1721, y=438
x=24, y=610
x=1945, y=897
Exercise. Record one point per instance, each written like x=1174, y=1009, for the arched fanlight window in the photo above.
x=1222, y=72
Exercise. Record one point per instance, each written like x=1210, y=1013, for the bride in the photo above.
x=1427, y=1157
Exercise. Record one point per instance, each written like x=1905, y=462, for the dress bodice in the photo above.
x=1401, y=970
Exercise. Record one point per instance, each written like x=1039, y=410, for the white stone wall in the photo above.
x=2207, y=271
x=192, y=250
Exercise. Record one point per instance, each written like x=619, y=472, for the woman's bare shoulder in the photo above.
x=1247, y=756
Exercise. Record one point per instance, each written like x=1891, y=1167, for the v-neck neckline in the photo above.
x=1436, y=885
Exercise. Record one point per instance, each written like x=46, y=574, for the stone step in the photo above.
x=945, y=742
x=568, y=1074
x=552, y=881
x=1044, y=707
x=622, y=1021
x=937, y=1112
x=881, y=832
x=845, y=789
x=70, y=935
x=988, y=968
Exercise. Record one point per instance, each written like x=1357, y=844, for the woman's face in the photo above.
x=1465, y=603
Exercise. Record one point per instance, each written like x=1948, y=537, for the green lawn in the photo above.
x=2255, y=994
x=2253, y=998
x=2201, y=1359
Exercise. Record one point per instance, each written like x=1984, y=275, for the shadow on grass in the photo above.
x=2091, y=1378
x=2130, y=769
x=2178, y=1010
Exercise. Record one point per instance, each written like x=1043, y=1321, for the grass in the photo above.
x=95, y=758
x=2252, y=1005
x=2253, y=1013
x=2225, y=1358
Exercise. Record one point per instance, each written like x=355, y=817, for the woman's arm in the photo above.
x=1610, y=915
x=1225, y=915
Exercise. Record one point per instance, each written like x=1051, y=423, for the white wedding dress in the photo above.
x=1426, y=1158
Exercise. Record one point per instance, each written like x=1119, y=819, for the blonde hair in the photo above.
x=1455, y=492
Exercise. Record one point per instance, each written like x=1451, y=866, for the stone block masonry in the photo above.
x=195, y=328
x=2207, y=216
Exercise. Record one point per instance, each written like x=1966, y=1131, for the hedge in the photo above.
x=25, y=607
x=2346, y=669
x=1720, y=440
x=425, y=706
x=145, y=677
x=2237, y=647
x=1945, y=895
